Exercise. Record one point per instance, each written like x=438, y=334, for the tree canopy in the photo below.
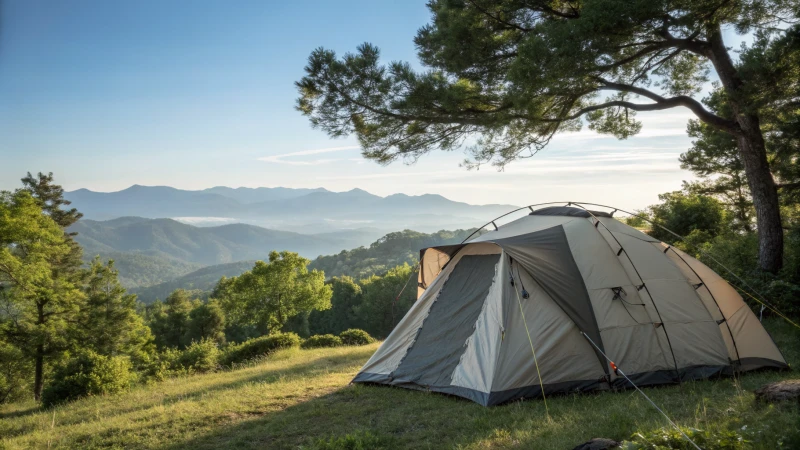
x=507, y=75
x=272, y=292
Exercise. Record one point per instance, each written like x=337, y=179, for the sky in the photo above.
x=195, y=94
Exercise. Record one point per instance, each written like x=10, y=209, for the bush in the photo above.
x=161, y=365
x=354, y=336
x=257, y=347
x=88, y=373
x=322, y=340
x=200, y=357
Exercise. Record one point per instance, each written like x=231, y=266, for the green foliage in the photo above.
x=85, y=374
x=109, y=323
x=355, y=336
x=170, y=320
x=40, y=275
x=15, y=369
x=202, y=280
x=739, y=253
x=199, y=357
x=362, y=440
x=322, y=340
x=206, y=321
x=513, y=73
x=50, y=198
x=272, y=292
x=392, y=250
x=670, y=438
x=140, y=273
x=687, y=214
x=258, y=347
x=380, y=309
x=345, y=299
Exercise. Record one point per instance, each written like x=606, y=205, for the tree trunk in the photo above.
x=753, y=152
x=765, y=196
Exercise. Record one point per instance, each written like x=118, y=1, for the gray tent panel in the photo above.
x=547, y=257
x=433, y=357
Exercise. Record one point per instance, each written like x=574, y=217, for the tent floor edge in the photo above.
x=663, y=377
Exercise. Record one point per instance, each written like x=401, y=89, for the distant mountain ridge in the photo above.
x=285, y=208
x=170, y=239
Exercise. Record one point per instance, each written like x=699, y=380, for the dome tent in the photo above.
x=552, y=281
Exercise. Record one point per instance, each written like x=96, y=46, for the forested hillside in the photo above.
x=202, y=280
x=167, y=238
x=137, y=269
x=392, y=250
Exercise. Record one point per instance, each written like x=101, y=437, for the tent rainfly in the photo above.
x=551, y=281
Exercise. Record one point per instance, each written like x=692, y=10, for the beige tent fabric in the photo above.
x=478, y=363
x=692, y=333
x=431, y=265
x=563, y=354
x=751, y=339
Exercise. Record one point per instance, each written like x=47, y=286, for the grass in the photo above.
x=300, y=398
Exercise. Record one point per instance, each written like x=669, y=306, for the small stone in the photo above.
x=598, y=444
x=786, y=390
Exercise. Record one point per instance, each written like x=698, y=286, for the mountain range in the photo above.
x=303, y=210
x=170, y=239
x=164, y=238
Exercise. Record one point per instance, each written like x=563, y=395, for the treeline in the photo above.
x=392, y=250
x=70, y=329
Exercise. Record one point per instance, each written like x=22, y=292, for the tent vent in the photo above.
x=619, y=252
x=639, y=288
x=697, y=286
x=667, y=249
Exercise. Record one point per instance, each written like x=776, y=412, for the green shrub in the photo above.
x=161, y=365
x=322, y=340
x=354, y=441
x=88, y=373
x=354, y=336
x=200, y=356
x=258, y=347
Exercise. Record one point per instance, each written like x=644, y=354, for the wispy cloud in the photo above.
x=281, y=159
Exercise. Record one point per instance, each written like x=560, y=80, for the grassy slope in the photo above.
x=299, y=396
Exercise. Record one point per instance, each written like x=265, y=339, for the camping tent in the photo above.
x=548, y=284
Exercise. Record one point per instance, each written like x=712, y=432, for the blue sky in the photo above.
x=195, y=94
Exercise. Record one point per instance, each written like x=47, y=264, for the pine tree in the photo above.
x=40, y=299
x=109, y=323
x=507, y=75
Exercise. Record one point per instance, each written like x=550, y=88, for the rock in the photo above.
x=598, y=444
x=779, y=392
